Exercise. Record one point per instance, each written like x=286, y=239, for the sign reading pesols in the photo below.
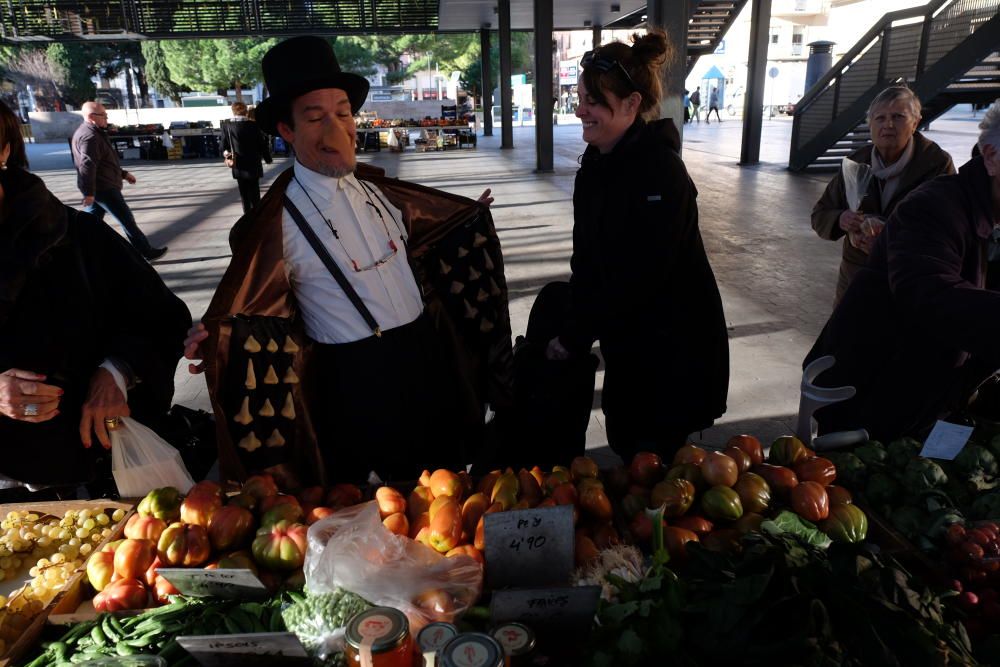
x=568, y=72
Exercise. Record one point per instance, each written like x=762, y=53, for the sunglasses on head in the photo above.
x=594, y=59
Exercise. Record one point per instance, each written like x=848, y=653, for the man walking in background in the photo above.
x=696, y=104
x=99, y=176
x=243, y=147
x=713, y=105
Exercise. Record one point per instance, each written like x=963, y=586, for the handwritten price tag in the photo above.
x=567, y=609
x=231, y=584
x=264, y=648
x=531, y=547
x=946, y=441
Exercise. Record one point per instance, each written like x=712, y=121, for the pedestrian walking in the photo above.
x=243, y=148
x=713, y=105
x=99, y=177
x=687, y=106
x=696, y=104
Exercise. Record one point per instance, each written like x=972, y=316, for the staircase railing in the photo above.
x=946, y=36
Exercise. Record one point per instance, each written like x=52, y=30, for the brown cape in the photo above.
x=455, y=254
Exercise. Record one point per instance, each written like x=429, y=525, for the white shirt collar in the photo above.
x=326, y=187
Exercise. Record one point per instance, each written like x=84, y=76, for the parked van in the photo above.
x=204, y=101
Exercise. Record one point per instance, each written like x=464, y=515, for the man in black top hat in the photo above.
x=374, y=350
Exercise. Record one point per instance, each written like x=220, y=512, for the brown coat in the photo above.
x=928, y=161
x=477, y=338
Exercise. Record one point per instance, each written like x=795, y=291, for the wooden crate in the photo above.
x=58, y=508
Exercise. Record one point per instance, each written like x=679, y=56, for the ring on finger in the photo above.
x=31, y=410
x=112, y=422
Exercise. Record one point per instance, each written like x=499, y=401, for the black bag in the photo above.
x=552, y=399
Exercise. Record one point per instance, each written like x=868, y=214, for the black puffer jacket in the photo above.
x=642, y=283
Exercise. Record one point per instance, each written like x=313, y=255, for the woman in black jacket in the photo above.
x=641, y=281
x=77, y=303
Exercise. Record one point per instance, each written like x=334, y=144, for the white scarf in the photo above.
x=889, y=175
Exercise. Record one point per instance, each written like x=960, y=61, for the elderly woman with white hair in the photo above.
x=917, y=330
x=901, y=159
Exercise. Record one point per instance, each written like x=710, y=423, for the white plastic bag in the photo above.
x=141, y=460
x=857, y=176
x=352, y=549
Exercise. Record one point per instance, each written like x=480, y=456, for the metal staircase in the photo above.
x=946, y=51
x=709, y=22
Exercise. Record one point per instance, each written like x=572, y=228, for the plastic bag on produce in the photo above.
x=141, y=460
x=352, y=549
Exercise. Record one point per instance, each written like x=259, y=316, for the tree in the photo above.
x=158, y=74
x=216, y=64
x=520, y=61
x=73, y=66
x=32, y=67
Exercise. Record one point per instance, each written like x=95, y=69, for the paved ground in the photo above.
x=777, y=278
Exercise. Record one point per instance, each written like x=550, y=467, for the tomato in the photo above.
x=230, y=528
x=676, y=539
x=809, y=501
x=198, y=510
x=689, y=454
x=140, y=527
x=260, y=486
x=787, y=450
x=646, y=469
x=120, y=595
x=133, y=558
x=754, y=492
x=743, y=461
x=839, y=495
x=100, y=567
x=717, y=469
x=781, y=479
x=750, y=445
x=675, y=496
x=281, y=546
x=164, y=503
x=818, y=470
x=181, y=545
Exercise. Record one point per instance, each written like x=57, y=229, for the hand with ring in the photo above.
x=25, y=397
x=105, y=404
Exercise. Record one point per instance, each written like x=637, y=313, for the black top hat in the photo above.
x=301, y=65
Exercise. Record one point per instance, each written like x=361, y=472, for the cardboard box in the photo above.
x=75, y=586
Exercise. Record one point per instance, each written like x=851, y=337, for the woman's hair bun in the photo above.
x=651, y=48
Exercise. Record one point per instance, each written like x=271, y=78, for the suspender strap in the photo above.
x=331, y=266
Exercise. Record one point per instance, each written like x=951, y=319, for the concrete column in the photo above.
x=484, y=50
x=597, y=36
x=671, y=17
x=753, y=110
x=543, y=85
x=506, y=103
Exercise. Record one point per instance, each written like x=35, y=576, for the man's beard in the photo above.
x=335, y=172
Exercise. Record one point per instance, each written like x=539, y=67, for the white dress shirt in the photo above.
x=389, y=290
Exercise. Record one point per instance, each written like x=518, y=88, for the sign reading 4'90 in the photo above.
x=532, y=547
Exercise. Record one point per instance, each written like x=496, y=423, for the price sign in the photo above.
x=264, y=648
x=232, y=584
x=946, y=441
x=532, y=547
x=565, y=609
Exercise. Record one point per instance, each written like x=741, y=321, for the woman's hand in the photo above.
x=862, y=241
x=23, y=396
x=850, y=221
x=196, y=335
x=104, y=403
x=555, y=351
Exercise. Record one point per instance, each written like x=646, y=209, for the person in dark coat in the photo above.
x=243, y=147
x=917, y=330
x=901, y=159
x=99, y=177
x=77, y=305
x=641, y=282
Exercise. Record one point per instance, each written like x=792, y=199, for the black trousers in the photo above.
x=249, y=192
x=387, y=406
